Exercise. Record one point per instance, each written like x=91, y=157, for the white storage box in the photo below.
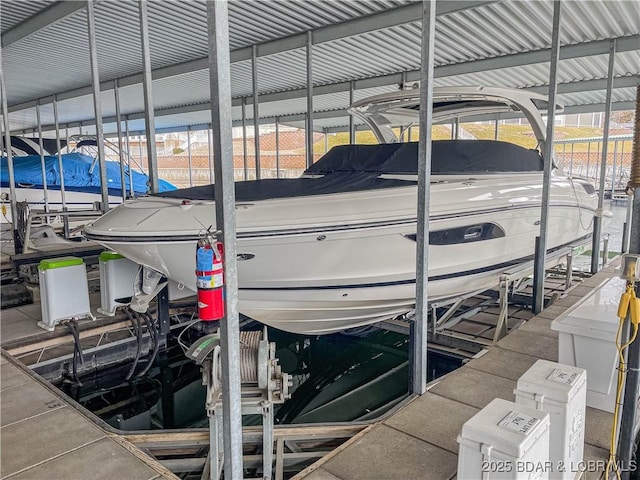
x=64, y=292
x=117, y=276
x=505, y=441
x=587, y=340
x=561, y=391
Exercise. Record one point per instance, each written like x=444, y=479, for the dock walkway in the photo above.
x=419, y=441
x=44, y=437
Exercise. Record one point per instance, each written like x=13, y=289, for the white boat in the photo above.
x=81, y=175
x=336, y=248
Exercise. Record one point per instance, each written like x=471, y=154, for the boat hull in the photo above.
x=356, y=269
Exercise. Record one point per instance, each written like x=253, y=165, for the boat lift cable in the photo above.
x=72, y=326
x=154, y=335
x=137, y=327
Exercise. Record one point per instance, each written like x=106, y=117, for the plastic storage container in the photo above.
x=561, y=391
x=587, y=339
x=64, y=292
x=505, y=441
x=117, y=276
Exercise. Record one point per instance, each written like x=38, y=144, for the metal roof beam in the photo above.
x=598, y=47
x=377, y=21
x=48, y=16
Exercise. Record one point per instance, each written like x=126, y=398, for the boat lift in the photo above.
x=512, y=282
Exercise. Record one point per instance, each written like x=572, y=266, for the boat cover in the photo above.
x=272, y=188
x=447, y=157
x=351, y=168
x=28, y=173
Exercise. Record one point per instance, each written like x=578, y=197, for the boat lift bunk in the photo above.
x=514, y=282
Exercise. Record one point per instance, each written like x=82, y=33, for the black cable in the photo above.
x=154, y=337
x=135, y=322
x=72, y=326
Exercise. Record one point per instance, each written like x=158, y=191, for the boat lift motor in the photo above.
x=263, y=384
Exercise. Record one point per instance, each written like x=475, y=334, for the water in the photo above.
x=336, y=378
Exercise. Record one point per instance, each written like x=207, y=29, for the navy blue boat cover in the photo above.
x=28, y=173
x=350, y=168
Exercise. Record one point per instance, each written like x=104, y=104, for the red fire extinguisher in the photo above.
x=210, y=278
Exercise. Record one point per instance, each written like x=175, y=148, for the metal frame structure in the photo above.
x=541, y=241
x=220, y=85
x=419, y=332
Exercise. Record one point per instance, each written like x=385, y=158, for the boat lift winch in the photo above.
x=263, y=385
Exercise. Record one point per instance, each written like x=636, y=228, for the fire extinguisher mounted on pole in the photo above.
x=209, y=277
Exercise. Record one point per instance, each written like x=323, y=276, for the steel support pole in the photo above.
x=17, y=243
x=149, y=115
x=220, y=78
x=210, y=152
x=126, y=132
x=309, y=126
x=541, y=243
x=97, y=104
x=496, y=127
x=352, y=129
x=326, y=140
x=420, y=332
x=123, y=180
x=256, y=108
x=56, y=125
x=626, y=444
x=613, y=172
x=189, y=156
x=277, y=147
x=45, y=188
x=597, y=221
x=245, y=158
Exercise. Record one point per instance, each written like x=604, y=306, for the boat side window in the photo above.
x=466, y=234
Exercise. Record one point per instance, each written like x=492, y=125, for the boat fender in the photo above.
x=210, y=279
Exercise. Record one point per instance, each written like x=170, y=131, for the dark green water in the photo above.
x=336, y=378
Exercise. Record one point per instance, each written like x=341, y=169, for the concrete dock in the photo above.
x=44, y=437
x=419, y=441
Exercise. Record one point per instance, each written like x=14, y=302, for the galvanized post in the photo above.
x=564, y=154
x=45, y=189
x=97, y=104
x=352, y=129
x=309, y=126
x=571, y=160
x=245, y=158
x=126, y=130
x=495, y=129
x=326, y=140
x=189, y=156
x=541, y=243
x=17, y=243
x=123, y=182
x=256, y=109
x=277, y=147
x=613, y=172
x=597, y=220
x=626, y=444
x=56, y=124
x=210, y=152
x=220, y=77
x=419, y=338
x=588, y=158
x=147, y=87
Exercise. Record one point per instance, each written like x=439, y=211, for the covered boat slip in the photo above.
x=352, y=168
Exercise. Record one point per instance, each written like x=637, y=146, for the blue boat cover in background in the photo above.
x=28, y=173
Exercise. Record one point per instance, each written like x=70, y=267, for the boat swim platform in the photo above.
x=42, y=436
x=418, y=441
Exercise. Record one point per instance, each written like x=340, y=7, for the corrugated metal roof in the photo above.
x=13, y=12
x=178, y=35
